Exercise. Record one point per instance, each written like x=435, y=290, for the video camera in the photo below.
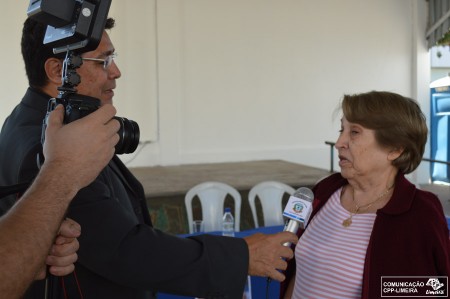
x=75, y=27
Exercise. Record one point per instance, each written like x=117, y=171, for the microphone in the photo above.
x=298, y=209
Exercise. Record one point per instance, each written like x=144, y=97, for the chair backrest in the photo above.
x=212, y=197
x=270, y=194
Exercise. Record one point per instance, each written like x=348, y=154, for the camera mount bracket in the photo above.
x=69, y=76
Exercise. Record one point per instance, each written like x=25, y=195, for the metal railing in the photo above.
x=436, y=161
x=331, y=144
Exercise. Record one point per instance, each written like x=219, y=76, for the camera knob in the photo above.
x=72, y=79
x=74, y=61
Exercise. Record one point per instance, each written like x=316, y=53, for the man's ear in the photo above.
x=53, y=69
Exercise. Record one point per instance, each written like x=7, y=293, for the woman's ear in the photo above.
x=53, y=69
x=395, y=153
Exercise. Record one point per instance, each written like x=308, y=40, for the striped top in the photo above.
x=329, y=256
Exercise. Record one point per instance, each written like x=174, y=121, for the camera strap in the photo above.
x=13, y=189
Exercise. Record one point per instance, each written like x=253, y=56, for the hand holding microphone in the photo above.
x=268, y=256
x=298, y=209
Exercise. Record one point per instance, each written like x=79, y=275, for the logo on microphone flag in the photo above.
x=297, y=209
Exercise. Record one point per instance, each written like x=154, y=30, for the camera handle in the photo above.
x=70, y=79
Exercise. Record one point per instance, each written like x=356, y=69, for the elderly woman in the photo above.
x=368, y=220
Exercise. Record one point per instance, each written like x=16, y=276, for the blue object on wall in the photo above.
x=440, y=129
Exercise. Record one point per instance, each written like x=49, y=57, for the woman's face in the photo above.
x=359, y=153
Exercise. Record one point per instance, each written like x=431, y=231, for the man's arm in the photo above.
x=74, y=156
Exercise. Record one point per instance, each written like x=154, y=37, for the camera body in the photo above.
x=77, y=106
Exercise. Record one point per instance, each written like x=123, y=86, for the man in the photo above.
x=121, y=255
x=29, y=228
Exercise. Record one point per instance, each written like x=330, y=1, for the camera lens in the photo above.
x=129, y=136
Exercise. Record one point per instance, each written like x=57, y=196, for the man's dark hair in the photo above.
x=35, y=53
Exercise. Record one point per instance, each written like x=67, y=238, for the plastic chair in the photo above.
x=212, y=197
x=270, y=194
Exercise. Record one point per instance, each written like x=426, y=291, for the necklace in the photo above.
x=347, y=222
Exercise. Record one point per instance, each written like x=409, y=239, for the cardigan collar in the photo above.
x=402, y=198
x=400, y=202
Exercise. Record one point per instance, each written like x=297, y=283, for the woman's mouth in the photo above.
x=343, y=160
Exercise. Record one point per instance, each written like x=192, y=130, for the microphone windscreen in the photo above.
x=304, y=193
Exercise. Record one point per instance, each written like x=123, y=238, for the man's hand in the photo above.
x=63, y=253
x=267, y=254
x=82, y=148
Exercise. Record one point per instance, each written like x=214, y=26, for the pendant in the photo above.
x=347, y=222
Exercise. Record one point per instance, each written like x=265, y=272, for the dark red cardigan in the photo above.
x=410, y=236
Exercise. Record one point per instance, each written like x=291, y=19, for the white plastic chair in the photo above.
x=212, y=197
x=270, y=194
